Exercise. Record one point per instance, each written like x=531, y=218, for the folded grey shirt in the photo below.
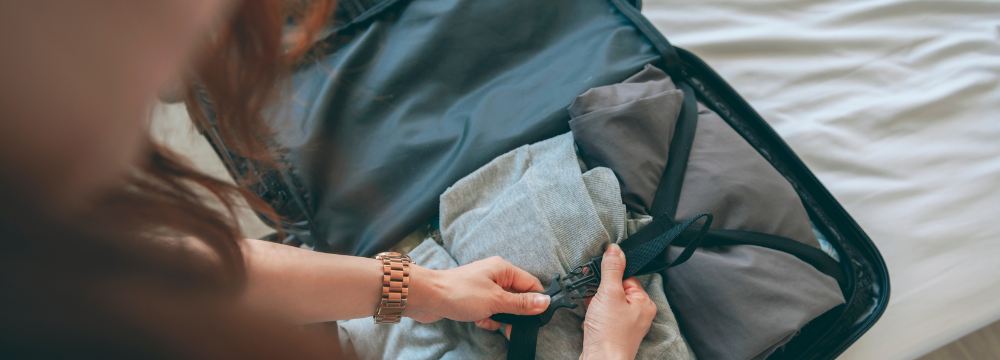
x=535, y=208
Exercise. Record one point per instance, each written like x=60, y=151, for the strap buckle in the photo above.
x=585, y=278
x=558, y=299
x=580, y=283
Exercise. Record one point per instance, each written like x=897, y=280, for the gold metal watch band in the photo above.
x=395, y=287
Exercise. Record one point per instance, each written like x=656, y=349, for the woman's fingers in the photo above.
x=488, y=324
x=612, y=270
x=513, y=278
x=633, y=288
x=518, y=289
x=480, y=289
x=620, y=313
x=521, y=304
x=493, y=325
x=635, y=295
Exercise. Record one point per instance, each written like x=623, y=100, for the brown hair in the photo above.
x=107, y=284
x=242, y=68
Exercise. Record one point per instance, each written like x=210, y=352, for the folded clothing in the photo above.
x=729, y=178
x=743, y=302
x=732, y=302
x=627, y=127
x=535, y=208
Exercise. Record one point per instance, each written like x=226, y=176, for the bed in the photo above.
x=895, y=105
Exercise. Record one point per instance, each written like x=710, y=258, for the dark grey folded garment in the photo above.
x=743, y=302
x=627, y=127
x=733, y=302
x=729, y=178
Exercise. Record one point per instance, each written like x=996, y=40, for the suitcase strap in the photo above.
x=644, y=249
x=641, y=252
x=638, y=248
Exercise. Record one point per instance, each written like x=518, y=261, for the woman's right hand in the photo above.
x=619, y=315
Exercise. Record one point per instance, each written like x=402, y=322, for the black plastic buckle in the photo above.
x=558, y=299
x=584, y=279
x=580, y=283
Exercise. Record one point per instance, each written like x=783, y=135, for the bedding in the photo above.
x=895, y=106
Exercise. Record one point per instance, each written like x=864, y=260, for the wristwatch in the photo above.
x=395, y=287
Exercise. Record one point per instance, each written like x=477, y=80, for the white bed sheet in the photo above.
x=895, y=106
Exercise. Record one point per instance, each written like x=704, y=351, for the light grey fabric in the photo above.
x=628, y=127
x=533, y=207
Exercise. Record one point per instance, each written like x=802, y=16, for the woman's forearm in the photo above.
x=307, y=286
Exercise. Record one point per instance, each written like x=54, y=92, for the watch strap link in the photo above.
x=395, y=287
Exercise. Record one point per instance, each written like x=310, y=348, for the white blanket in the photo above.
x=895, y=106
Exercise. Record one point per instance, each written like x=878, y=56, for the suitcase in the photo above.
x=411, y=95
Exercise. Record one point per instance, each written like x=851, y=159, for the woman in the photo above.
x=92, y=212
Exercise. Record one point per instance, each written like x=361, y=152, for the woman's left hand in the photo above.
x=473, y=292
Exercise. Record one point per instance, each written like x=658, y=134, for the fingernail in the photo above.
x=541, y=301
x=613, y=249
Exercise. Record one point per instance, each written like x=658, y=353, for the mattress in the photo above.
x=895, y=106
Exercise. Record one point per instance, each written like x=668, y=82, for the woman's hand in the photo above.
x=619, y=315
x=473, y=292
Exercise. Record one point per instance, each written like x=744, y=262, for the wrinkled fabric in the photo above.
x=533, y=207
x=628, y=127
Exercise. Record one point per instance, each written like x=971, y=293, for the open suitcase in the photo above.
x=412, y=95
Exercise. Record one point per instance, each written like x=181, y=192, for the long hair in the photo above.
x=110, y=283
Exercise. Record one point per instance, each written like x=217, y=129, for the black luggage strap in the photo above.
x=668, y=191
x=641, y=252
x=646, y=250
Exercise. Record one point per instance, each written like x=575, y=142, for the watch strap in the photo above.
x=395, y=287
